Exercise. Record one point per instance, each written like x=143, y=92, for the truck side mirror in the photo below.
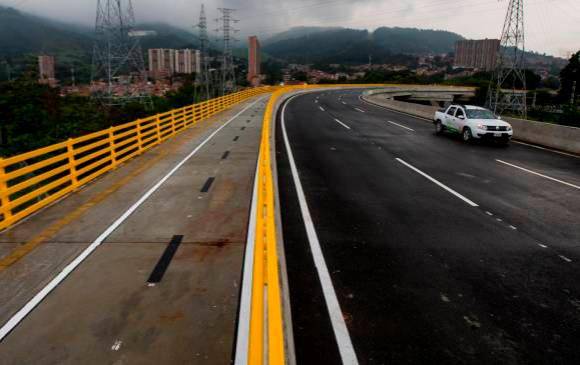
x=461, y=117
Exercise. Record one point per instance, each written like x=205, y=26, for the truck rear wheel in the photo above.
x=439, y=128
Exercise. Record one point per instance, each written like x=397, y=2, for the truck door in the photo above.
x=460, y=120
x=450, y=118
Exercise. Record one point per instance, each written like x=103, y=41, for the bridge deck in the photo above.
x=106, y=310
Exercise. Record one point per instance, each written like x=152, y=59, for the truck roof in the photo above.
x=473, y=107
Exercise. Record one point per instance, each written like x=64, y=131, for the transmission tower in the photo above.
x=228, y=74
x=117, y=56
x=508, y=85
x=204, y=77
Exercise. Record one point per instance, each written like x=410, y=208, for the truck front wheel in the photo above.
x=467, y=137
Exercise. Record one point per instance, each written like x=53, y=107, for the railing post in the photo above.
x=172, y=121
x=112, y=146
x=70, y=152
x=139, y=136
x=4, y=198
x=158, y=126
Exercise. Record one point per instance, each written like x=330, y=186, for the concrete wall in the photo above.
x=545, y=134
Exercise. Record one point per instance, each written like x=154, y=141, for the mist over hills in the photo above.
x=25, y=34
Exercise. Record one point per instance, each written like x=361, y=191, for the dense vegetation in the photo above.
x=34, y=116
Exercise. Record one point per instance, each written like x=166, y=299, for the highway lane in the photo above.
x=420, y=274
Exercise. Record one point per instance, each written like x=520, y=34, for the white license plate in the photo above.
x=497, y=134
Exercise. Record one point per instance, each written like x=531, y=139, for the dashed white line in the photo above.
x=341, y=123
x=499, y=219
x=489, y=213
x=468, y=201
x=513, y=227
x=46, y=290
x=538, y=174
x=564, y=258
x=321, y=108
x=360, y=110
x=399, y=125
x=343, y=102
x=345, y=347
x=542, y=245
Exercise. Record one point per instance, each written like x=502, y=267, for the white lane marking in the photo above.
x=44, y=292
x=360, y=110
x=489, y=213
x=399, y=125
x=564, y=258
x=340, y=330
x=538, y=174
x=437, y=183
x=242, y=341
x=117, y=345
x=546, y=149
x=321, y=108
x=499, y=219
x=513, y=227
x=343, y=102
x=542, y=246
x=341, y=123
x=316, y=101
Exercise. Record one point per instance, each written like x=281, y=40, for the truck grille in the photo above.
x=494, y=128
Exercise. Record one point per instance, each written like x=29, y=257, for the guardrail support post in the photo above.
x=70, y=152
x=112, y=145
x=4, y=198
x=139, y=136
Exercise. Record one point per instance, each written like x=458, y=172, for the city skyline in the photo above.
x=549, y=29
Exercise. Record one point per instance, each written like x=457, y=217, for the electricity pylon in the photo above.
x=508, y=85
x=228, y=73
x=204, y=78
x=117, y=56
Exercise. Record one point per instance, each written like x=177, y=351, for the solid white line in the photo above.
x=321, y=108
x=564, y=258
x=399, y=125
x=341, y=123
x=438, y=183
x=341, y=334
x=546, y=149
x=360, y=110
x=243, y=335
x=43, y=293
x=538, y=174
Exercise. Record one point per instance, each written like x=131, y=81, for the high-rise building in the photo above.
x=161, y=62
x=46, y=70
x=187, y=61
x=165, y=62
x=254, y=61
x=481, y=54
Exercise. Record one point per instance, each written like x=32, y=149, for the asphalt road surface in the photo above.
x=405, y=247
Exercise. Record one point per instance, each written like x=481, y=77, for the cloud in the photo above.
x=549, y=27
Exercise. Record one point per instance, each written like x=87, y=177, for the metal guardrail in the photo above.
x=33, y=180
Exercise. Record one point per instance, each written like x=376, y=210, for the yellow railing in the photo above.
x=33, y=180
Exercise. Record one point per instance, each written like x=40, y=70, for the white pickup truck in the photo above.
x=472, y=122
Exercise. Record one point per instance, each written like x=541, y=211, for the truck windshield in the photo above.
x=480, y=114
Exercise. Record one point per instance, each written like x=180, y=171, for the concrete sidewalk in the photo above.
x=105, y=311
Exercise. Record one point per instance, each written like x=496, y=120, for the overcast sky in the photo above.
x=552, y=26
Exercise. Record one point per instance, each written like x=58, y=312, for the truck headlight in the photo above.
x=482, y=127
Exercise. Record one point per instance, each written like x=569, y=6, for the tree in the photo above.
x=568, y=76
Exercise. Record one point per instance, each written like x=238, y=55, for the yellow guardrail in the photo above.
x=33, y=180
